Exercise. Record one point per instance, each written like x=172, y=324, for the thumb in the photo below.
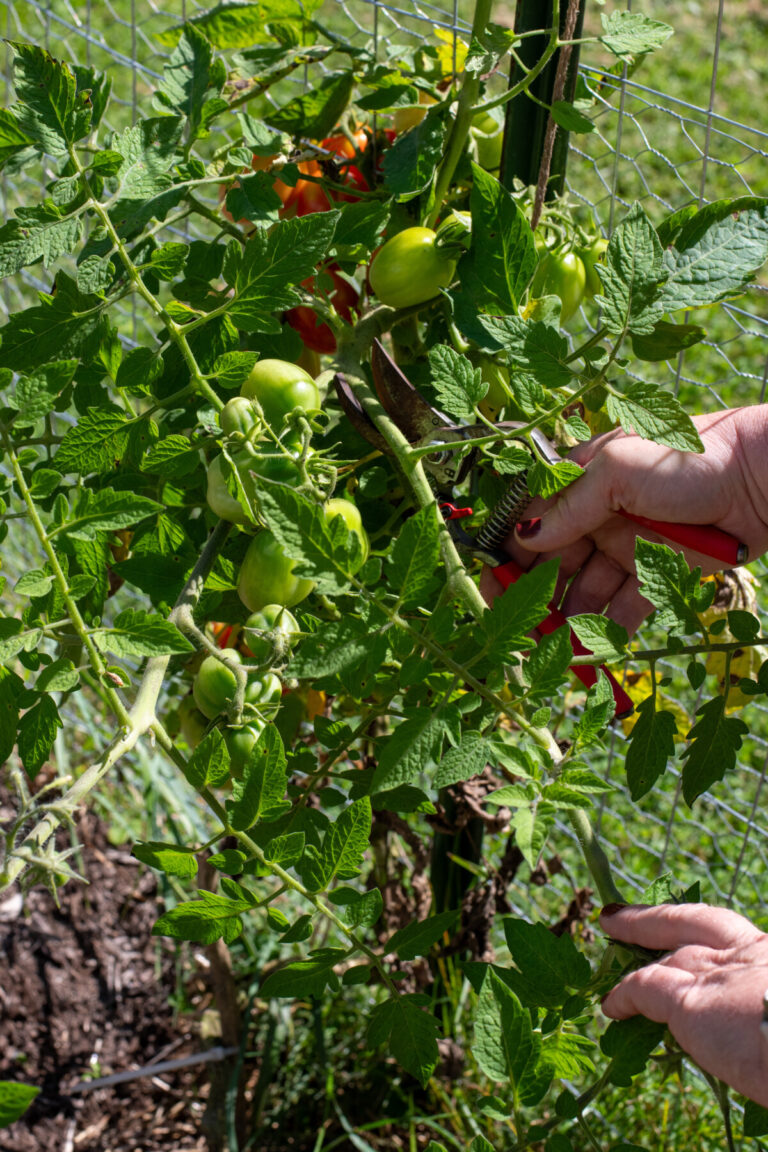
x=579, y=510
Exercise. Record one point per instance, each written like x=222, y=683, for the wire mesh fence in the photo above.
x=650, y=145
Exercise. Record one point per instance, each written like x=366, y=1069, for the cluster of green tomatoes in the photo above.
x=265, y=437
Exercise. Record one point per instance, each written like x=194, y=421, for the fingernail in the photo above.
x=528, y=528
x=611, y=909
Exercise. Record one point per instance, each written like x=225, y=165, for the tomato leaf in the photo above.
x=504, y=1041
x=262, y=273
x=466, y=760
x=107, y=511
x=415, y=556
x=413, y=746
x=458, y=384
x=506, y=625
x=666, y=580
x=37, y=732
x=318, y=109
x=502, y=257
x=412, y=1034
x=344, y=845
x=328, y=553
x=303, y=978
x=15, y=1098
x=715, y=253
x=211, y=918
x=630, y=34
x=409, y=165
x=547, y=967
x=547, y=666
x=652, y=744
x=417, y=938
x=259, y=794
x=631, y=274
x=64, y=324
x=138, y=633
x=666, y=340
x=629, y=1043
x=715, y=740
x=655, y=415
x=50, y=110
x=173, y=859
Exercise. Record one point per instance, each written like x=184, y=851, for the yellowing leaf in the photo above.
x=638, y=686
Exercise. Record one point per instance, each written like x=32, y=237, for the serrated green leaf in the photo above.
x=50, y=110
x=35, y=583
x=502, y=257
x=40, y=233
x=139, y=633
x=669, y=584
x=666, y=341
x=260, y=792
x=532, y=826
x=209, y=764
x=631, y=34
x=191, y=73
x=211, y=918
x=548, y=966
x=415, y=556
x=263, y=272
x=302, y=978
x=525, y=604
x=652, y=745
x=629, y=1044
x=95, y=442
x=147, y=149
x=173, y=859
x=254, y=198
x=547, y=666
x=603, y=637
x=318, y=109
x=571, y=118
x=503, y=1034
x=715, y=740
x=547, y=479
x=328, y=552
x=631, y=273
x=458, y=384
x=15, y=1099
x=655, y=415
x=414, y=745
x=466, y=760
x=66, y=323
x=358, y=909
x=13, y=139
x=10, y=687
x=359, y=229
x=37, y=732
x=411, y=1032
x=417, y=939
x=60, y=676
x=715, y=253
x=107, y=511
x=344, y=845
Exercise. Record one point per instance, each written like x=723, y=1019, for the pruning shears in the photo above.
x=425, y=426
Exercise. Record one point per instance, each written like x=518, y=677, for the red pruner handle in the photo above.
x=704, y=538
x=507, y=574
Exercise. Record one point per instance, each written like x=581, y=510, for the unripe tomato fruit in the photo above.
x=273, y=465
x=270, y=633
x=240, y=742
x=496, y=398
x=220, y=500
x=563, y=275
x=266, y=576
x=215, y=685
x=351, y=517
x=410, y=269
x=192, y=722
x=590, y=257
x=238, y=415
x=264, y=692
x=280, y=387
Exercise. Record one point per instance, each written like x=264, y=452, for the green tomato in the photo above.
x=280, y=387
x=410, y=269
x=590, y=257
x=270, y=633
x=274, y=465
x=351, y=517
x=238, y=415
x=497, y=397
x=563, y=275
x=215, y=685
x=264, y=692
x=240, y=742
x=192, y=722
x=266, y=576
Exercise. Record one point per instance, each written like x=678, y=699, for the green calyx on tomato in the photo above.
x=215, y=684
x=349, y=513
x=267, y=577
x=270, y=634
x=280, y=388
x=411, y=269
x=561, y=274
x=592, y=257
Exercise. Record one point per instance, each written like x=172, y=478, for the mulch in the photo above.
x=85, y=990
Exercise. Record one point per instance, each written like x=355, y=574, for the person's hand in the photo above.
x=708, y=990
x=726, y=485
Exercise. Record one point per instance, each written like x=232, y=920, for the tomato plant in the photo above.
x=192, y=481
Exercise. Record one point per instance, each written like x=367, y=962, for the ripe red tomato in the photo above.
x=307, y=196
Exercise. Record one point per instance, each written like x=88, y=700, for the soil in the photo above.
x=86, y=991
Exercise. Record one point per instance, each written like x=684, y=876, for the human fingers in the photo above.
x=595, y=585
x=668, y=926
x=654, y=991
x=628, y=607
